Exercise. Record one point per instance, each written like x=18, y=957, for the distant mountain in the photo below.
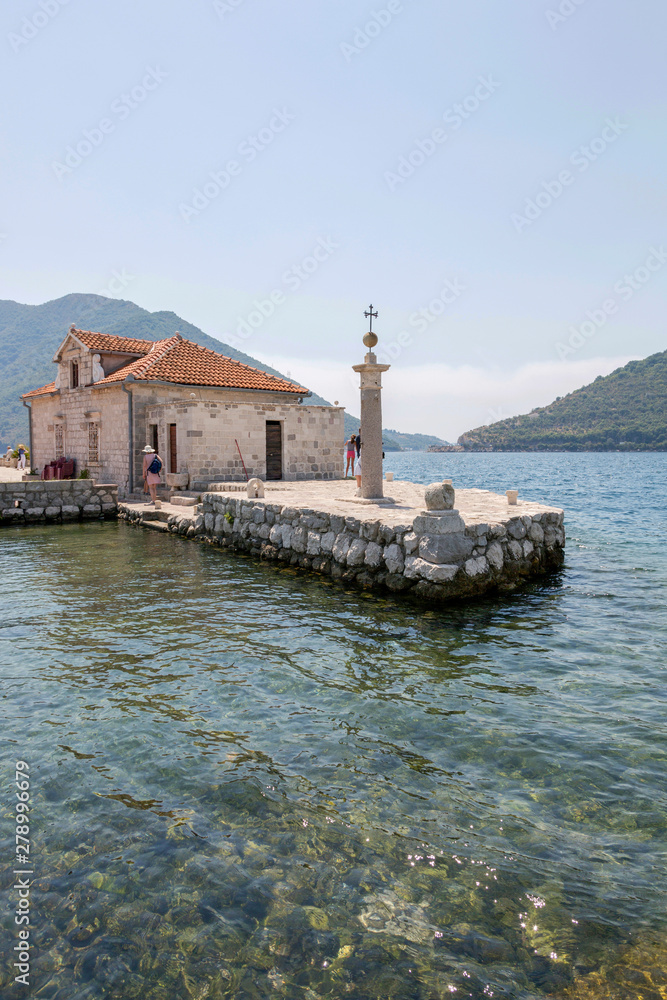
x=30, y=335
x=412, y=442
x=624, y=411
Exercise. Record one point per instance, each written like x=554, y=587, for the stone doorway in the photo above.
x=274, y=449
x=173, y=453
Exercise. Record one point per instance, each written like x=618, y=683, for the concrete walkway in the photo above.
x=8, y=475
x=404, y=501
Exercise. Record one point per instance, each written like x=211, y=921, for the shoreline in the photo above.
x=483, y=546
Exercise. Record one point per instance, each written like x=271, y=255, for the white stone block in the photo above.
x=276, y=535
x=313, y=544
x=299, y=538
x=356, y=552
x=373, y=556
x=476, y=567
x=327, y=541
x=439, y=524
x=393, y=557
x=341, y=547
x=515, y=550
x=494, y=554
x=410, y=542
x=528, y=548
x=536, y=532
x=420, y=568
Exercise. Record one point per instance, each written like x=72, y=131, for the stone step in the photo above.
x=150, y=515
x=155, y=525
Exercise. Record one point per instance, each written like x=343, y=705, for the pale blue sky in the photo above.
x=347, y=113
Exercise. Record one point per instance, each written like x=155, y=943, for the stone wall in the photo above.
x=207, y=430
x=74, y=410
x=56, y=501
x=423, y=556
x=313, y=436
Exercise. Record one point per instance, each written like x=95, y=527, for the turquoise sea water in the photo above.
x=249, y=782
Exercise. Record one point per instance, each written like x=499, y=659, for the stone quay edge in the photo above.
x=55, y=501
x=487, y=546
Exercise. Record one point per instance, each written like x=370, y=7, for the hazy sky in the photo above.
x=486, y=173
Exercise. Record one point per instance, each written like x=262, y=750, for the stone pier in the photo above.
x=56, y=500
x=480, y=545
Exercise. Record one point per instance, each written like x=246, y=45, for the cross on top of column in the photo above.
x=370, y=315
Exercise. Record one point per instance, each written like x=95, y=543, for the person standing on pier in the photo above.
x=152, y=468
x=351, y=455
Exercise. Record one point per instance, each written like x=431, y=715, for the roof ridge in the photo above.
x=154, y=356
x=115, y=336
x=242, y=364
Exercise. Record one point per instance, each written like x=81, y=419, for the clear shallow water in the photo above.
x=253, y=783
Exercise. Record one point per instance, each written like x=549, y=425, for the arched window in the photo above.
x=74, y=379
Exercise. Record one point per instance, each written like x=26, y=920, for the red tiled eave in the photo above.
x=44, y=391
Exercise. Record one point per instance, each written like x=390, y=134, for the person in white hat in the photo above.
x=152, y=469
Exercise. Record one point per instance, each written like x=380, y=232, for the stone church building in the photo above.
x=113, y=395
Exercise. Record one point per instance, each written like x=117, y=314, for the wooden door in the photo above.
x=173, y=454
x=274, y=449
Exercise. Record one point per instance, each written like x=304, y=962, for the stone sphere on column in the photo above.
x=370, y=339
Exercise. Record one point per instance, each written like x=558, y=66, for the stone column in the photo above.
x=371, y=421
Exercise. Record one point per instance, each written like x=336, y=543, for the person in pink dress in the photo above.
x=351, y=454
x=152, y=468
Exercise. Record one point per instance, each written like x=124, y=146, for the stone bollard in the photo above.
x=255, y=489
x=440, y=496
x=512, y=496
x=389, y=476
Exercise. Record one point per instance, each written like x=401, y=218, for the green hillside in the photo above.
x=624, y=411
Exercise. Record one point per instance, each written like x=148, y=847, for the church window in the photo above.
x=93, y=443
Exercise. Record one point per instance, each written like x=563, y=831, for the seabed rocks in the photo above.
x=434, y=554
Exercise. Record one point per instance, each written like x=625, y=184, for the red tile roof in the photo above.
x=179, y=361
x=107, y=343
x=185, y=363
x=51, y=387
